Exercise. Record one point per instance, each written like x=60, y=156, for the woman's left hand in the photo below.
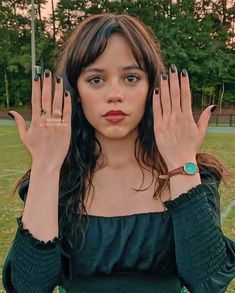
x=178, y=137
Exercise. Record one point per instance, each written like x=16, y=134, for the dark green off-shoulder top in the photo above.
x=182, y=247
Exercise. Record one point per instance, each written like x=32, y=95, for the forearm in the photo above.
x=40, y=214
x=204, y=256
x=31, y=265
x=199, y=246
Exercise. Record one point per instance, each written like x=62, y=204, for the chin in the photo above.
x=115, y=134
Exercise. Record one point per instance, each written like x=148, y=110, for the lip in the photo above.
x=115, y=116
x=114, y=113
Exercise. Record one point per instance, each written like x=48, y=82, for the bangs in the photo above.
x=90, y=39
x=93, y=40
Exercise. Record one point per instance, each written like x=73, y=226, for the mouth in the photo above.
x=114, y=113
x=115, y=116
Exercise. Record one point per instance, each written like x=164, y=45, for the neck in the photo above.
x=118, y=153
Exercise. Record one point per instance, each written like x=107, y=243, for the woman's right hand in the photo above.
x=48, y=137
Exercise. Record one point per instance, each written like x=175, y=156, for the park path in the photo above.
x=215, y=129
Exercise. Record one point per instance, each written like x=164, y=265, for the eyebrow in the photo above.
x=129, y=67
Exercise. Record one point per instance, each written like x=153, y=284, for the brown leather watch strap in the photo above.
x=177, y=171
x=172, y=173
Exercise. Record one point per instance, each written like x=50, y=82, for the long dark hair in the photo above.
x=87, y=42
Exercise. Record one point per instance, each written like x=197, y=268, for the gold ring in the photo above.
x=43, y=111
x=57, y=113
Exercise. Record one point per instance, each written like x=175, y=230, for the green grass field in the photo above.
x=14, y=161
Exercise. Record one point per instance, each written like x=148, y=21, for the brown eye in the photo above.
x=95, y=80
x=132, y=78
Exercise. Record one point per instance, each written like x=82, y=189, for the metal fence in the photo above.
x=220, y=119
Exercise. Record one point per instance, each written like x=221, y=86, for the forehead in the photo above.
x=117, y=53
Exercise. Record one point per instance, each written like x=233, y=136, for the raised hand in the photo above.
x=178, y=137
x=48, y=137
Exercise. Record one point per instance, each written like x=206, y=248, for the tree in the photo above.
x=196, y=35
x=15, y=45
x=9, y=43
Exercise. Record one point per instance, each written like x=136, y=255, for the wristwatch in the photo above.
x=189, y=168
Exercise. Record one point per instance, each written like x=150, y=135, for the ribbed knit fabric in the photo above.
x=196, y=232
x=35, y=265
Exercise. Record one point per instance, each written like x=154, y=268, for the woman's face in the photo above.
x=114, y=82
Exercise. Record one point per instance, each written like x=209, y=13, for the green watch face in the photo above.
x=190, y=168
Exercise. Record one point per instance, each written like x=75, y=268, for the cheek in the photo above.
x=143, y=88
x=142, y=104
x=88, y=107
x=85, y=98
x=142, y=96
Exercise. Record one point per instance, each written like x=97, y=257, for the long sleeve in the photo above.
x=205, y=257
x=33, y=265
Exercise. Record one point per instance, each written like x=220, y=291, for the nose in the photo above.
x=115, y=93
x=115, y=98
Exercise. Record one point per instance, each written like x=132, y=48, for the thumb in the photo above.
x=20, y=123
x=205, y=118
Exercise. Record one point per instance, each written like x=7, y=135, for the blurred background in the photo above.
x=198, y=35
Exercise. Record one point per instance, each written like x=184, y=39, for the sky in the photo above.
x=47, y=9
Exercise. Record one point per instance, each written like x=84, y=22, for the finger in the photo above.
x=204, y=118
x=157, y=107
x=47, y=93
x=20, y=124
x=174, y=89
x=67, y=111
x=165, y=96
x=36, y=98
x=58, y=96
x=185, y=93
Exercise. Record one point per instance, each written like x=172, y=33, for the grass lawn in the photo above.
x=14, y=161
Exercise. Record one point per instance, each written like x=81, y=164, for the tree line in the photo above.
x=194, y=34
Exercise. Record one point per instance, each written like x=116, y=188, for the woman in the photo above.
x=108, y=207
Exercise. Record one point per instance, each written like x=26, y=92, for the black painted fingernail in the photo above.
x=47, y=73
x=58, y=79
x=11, y=115
x=164, y=76
x=66, y=93
x=184, y=72
x=213, y=109
x=36, y=77
x=156, y=91
x=173, y=68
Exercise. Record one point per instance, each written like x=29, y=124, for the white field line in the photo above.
x=227, y=210
x=11, y=174
x=10, y=146
x=13, y=170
